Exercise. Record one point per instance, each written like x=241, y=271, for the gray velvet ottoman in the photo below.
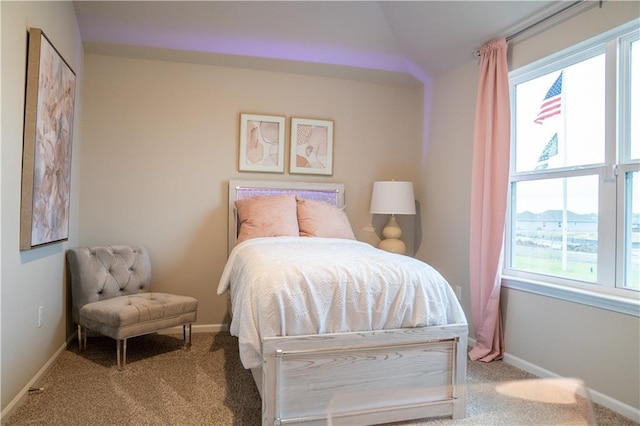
x=111, y=292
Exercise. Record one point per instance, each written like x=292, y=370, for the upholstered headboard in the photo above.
x=331, y=193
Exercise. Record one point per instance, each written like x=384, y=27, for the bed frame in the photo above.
x=358, y=377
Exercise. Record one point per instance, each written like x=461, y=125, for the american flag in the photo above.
x=549, y=151
x=552, y=102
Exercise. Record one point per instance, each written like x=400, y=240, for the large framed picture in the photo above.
x=46, y=156
x=261, y=143
x=311, y=146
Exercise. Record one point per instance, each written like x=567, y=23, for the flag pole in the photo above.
x=564, y=179
x=564, y=224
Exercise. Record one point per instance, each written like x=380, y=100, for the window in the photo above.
x=574, y=206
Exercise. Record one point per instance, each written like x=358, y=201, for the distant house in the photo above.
x=552, y=220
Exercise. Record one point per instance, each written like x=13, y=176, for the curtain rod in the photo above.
x=546, y=18
x=476, y=53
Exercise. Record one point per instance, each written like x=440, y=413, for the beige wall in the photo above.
x=445, y=177
x=601, y=347
x=160, y=143
x=33, y=278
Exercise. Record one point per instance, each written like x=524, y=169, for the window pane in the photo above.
x=632, y=232
x=635, y=100
x=560, y=117
x=555, y=227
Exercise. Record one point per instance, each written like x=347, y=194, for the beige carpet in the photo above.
x=206, y=385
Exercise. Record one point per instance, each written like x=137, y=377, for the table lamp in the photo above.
x=392, y=197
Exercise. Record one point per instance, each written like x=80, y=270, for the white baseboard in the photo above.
x=597, y=397
x=22, y=395
x=197, y=328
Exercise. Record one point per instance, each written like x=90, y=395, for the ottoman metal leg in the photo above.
x=186, y=335
x=82, y=338
x=121, y=353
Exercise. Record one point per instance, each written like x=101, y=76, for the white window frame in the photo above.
x=603, y=294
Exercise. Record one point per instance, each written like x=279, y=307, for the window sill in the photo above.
x=623, y=305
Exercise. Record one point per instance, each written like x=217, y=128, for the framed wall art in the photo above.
x=261, y=143
x=46, y=156
x=311, y=146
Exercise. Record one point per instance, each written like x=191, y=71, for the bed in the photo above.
x=334, y=330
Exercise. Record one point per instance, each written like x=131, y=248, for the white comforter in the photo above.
x=289, y=286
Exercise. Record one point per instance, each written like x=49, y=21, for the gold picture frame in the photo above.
x=47, y=143
x=311, y=146
x=262, y=139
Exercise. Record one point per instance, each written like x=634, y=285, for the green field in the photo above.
x=545, y=257
x=547, y=260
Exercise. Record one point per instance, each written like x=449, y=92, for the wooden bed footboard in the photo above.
x=364, y=377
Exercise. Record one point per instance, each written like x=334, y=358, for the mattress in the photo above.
x=292, y=286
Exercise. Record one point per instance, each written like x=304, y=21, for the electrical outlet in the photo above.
x=40, y=312
x=459, y=293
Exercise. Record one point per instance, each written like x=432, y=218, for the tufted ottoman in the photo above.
x=111, y=295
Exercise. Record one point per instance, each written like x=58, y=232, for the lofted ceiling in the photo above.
x=397, y=40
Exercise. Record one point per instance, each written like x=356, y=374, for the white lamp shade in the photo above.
x=392, y=197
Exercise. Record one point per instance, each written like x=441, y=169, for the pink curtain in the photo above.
x=490, y=174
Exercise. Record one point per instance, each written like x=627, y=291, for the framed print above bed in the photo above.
x=46, y=156
x=261, y=143
x=311, y=146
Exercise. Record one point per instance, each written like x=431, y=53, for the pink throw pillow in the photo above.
x=267, y=216
x=318, y=219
